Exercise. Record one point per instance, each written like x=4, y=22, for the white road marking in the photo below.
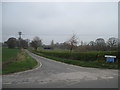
x=6, y=83
x=107, y=77
x=71, y=69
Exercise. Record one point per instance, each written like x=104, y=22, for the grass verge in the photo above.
x=20, y=62
x=93, y=64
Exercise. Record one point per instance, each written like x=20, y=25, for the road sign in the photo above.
x=110, y=58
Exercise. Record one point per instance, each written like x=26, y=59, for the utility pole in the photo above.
x=20, y=33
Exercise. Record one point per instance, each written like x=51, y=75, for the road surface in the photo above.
x=53, y=74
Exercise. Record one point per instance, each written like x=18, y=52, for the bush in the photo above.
x=83, y=56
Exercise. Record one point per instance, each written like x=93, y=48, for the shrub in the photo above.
x=84, y=56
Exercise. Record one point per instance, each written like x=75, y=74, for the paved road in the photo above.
x=53, y=74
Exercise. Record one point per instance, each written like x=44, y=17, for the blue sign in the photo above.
x=110, y=59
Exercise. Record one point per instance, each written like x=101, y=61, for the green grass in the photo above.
x=8, y=53
x=82, y=56
x=15, y=60
x=0, y=53
x=84, y=63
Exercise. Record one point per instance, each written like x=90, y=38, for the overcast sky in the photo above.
x=58, y=21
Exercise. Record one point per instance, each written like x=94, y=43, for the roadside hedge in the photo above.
x=86, y=56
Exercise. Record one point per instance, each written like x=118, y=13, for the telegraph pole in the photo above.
x=20, y=33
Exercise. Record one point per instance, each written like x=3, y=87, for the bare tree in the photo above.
x=82, y=43
x=112, y=42
x=24, y=44
x=52, y=44
x=37, y=42
x=100, y=44
x=72, y=42
x=92, y=43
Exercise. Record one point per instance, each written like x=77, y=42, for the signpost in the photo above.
x=110, y=58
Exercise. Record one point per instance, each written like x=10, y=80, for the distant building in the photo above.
x=47, y=47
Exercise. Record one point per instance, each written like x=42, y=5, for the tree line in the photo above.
x=16, y=43
x=72, y=44
x=98, y=45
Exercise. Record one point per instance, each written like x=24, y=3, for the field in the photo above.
x=15, y=60
x=9, y=53
x=87, y=59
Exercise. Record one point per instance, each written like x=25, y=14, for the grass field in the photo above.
x=9, y=53
x=85, y=59
x=15, y=60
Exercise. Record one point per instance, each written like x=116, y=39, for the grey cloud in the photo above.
x=59, y=20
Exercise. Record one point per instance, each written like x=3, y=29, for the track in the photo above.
x=53, y=74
